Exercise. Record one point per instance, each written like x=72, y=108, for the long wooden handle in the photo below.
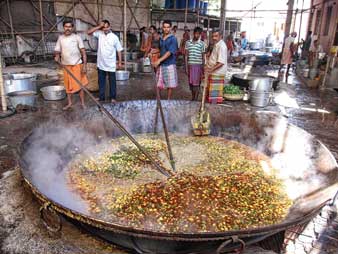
x=2, y=89
x=204, y=91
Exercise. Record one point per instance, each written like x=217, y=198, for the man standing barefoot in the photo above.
x=167, y=73
x=71, y=51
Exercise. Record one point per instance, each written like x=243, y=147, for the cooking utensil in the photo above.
x=122, y=75
x=134, y=55
x=158, y=167
x=22, y=98
x=18, y=82
x=166, y=134
x=261, y=84
x=201, y=122
x=259, y=98
x=53, y=93
x=244, y=79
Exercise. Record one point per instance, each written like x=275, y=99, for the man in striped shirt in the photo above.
x=194, y=62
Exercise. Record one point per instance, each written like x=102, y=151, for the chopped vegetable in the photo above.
x=232, y=89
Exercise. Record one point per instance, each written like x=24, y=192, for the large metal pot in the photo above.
x=261, y=84
x=18, y=82
x=122, y=75
x=53, y=93
x=27, y=98
x=259, y=98
x=316, y=177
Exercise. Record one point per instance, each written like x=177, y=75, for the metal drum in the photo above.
x=259, y=99
x=27, y=98
x=19, y=82
x=260, y=92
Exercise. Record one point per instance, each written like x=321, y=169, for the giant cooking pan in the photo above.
x=307, y=167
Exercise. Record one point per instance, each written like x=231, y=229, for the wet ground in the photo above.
x=312, y=110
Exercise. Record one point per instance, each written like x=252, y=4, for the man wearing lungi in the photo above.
x=289, y=50
x=69, y=47
x=167, y=73
x=194, y=62
x=216, y=68
x=108, y=47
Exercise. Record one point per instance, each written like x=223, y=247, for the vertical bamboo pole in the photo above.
x=186, y=12
x=73, y=13
x=11, y=24
x=289, y=16
x=42, y=30
x=2, y=89
x=300, y=22
x=125, y=33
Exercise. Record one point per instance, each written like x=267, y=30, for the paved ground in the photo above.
x=21, y=230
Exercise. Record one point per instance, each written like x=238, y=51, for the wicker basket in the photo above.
x=233, y=97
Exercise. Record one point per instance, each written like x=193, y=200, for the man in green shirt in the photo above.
x=194, y=62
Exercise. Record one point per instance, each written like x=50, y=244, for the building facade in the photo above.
x=323, y=22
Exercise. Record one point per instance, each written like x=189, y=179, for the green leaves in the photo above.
x=232, y=89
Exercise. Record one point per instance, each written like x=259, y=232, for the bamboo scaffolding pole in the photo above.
x=175, y=9
x=11, y=25
x=300, y=23
x=42, y=31
x=15, y=32
x=73, y=14
x=54, y=26
x=125, y=33
x=2, y=89
x=89, y=12
x=38, y=10
x=131, y=18
x=131, y=12
x=186, y=12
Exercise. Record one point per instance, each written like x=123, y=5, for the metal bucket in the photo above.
x=147, y=69
x=134, y=55
x=127, y=56
x=262, y=84
x=136, y=67
x=122, y=75
x=19, y=82
x=23, y=98
x=53, y=93
x=259, y=98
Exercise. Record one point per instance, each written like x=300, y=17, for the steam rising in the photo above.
x=52, y=145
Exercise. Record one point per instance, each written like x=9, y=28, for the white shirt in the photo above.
x=106, y=54
x=219, y=55
x=69, y=46
x=288, y=41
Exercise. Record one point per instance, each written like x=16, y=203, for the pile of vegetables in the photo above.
x=232, y=89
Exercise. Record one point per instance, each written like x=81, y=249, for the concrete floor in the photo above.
x=22, y=232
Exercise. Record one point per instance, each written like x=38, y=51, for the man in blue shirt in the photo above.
x=244, y=40
x=167, y=72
